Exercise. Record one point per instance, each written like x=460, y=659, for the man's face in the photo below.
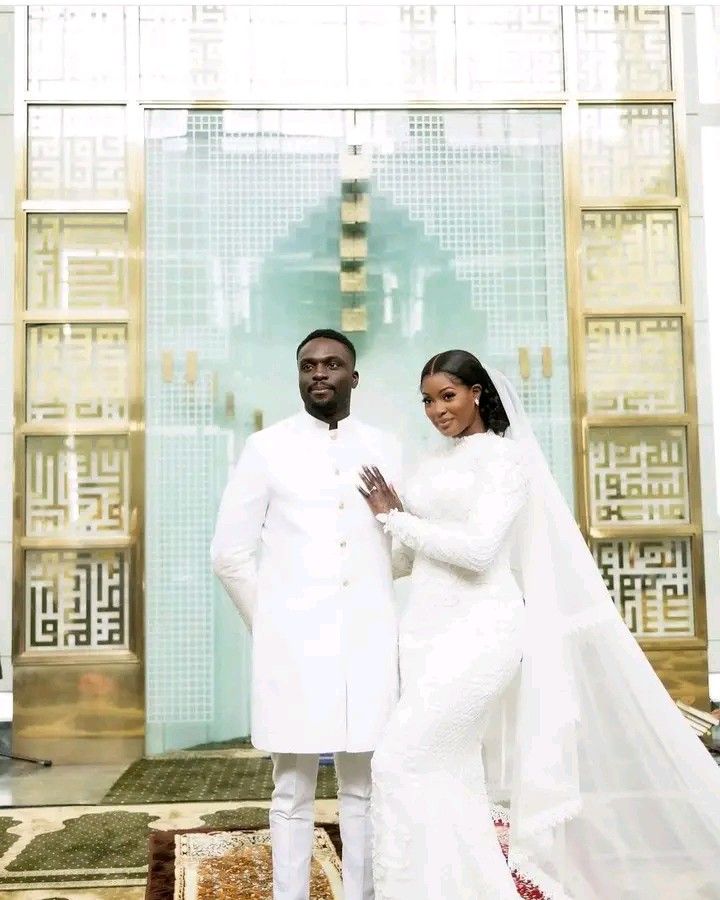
x=326, y=376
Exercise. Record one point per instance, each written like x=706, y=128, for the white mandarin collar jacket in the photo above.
x=309, y=568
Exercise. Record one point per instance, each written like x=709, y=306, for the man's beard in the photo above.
x=327, y=407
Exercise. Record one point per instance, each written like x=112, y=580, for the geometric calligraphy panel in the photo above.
x=622, y=49
x=77, y=372
x=77, y=261
x=77, y=153
x=634, y=366
x=416, y=44
x=193, y=51
x=509, y=49
x=77, y=486
x=627, y=150
x=76, y=47
x=650, y=581
x=638, y=475
x=76, y=600
x=630, y=258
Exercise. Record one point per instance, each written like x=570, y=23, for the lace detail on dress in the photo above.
x=460, y=646
x=494, y=482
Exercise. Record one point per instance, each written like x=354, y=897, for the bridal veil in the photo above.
x=610, y=793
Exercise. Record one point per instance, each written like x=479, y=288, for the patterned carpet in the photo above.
x=101, y=852
x=202, y=779
x=69, y=848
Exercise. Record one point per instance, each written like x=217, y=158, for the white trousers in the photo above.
x=292, y=822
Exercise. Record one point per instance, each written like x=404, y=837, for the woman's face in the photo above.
x=450, y=405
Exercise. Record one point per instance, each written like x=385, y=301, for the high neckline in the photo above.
x=319, y=425
x=470, y=438
x=464, y=438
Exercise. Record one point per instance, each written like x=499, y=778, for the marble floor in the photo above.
x=27, y=784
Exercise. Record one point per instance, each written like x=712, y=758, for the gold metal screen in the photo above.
x=84, y=77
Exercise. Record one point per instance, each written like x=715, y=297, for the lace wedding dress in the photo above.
x=460, y=648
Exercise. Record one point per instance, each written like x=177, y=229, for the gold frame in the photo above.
x=46, y=681
x=568, y=102
x=576, y=204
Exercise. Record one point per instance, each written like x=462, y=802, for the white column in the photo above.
x=7, y=307
x=702, y=65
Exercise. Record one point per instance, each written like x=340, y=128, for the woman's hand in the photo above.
x=381, y=497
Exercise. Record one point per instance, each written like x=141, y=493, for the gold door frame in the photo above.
x=46, y=683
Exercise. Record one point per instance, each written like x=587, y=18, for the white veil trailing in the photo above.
x=611, y=794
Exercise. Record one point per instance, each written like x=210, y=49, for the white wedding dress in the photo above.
x=540, y=701
x=461, y=642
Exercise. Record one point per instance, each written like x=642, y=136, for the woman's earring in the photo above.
x=477, y=401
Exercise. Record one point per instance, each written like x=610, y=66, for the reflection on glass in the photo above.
x=77, y=373
x=454, y=219
x=627, y=151
x=650, y=581
x=622, y=49
x=629, y=258
x=638, y=476
x=77, y=261
x=634, y=366
x=76, y=153
x=76, y=48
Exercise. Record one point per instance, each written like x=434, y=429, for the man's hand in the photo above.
x=381, y=497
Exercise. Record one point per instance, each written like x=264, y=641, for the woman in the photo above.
x=610, y=794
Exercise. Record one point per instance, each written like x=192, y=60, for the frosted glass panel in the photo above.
x=77, y=372
x=509, y=50
x=622, y=49
x=77, y=261
x=76, y=48
x=629, y=257
x=634, y=366
x=627, y=151
x=76, y=153
x=414, y=232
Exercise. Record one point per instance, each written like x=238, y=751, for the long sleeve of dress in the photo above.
x=402, y=559
x=237, y=533
x=473, y=543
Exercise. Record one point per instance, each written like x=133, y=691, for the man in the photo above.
x=309, y=569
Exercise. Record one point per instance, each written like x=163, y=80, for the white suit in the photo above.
x=309, y=568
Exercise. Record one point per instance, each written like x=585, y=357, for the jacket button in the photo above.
x=343, y=544
x=346, y=583
x=341, y=505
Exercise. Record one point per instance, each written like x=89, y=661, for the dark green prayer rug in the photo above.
x=59, y=851
x=199, y=779
x=242, y=743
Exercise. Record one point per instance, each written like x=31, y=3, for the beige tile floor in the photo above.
x=25, y=784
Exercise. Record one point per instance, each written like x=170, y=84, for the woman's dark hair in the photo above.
x=469, y=370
